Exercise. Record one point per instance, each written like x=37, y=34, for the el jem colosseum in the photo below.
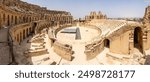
x=34, y=35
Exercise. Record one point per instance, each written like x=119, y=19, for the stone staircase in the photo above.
x=37, y=51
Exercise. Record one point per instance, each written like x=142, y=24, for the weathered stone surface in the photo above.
x=147, y=15
x=5, y=55
x=64, y=50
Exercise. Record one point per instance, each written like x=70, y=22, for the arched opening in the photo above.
x=34, y=27
x=138, y=40
x=29, y=30
x=24, y=19
x=17, y=37
x=15, y=19
x=24, y=34
x=20, y=37
x=12, y=19
x=107, y=43
x=8, y=21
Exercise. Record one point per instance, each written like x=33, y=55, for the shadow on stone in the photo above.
x=147, y=62
x=72, y=58
x=54, y=63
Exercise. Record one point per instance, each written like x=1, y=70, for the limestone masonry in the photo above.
x=34, y=35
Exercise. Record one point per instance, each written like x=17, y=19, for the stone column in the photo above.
x=131, y=42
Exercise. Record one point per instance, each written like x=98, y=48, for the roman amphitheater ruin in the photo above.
x=34, y=35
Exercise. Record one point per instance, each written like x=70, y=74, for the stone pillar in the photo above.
x=3, y=19
x=131, y=42
x=25, y=34
x=28, y=31
x=148, y=39
x=19, y=38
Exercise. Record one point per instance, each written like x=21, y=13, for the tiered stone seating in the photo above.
x=108, y=26
x=37, y=39
x=37, y=52
x=47, y=61
x=37, y=46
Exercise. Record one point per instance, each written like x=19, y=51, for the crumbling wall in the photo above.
x=63, y=50
x=146, y=18
x=40, y=25
x=146, y=21
x=93, y=49
x=120, y=44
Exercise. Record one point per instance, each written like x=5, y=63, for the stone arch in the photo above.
x=20, y=37
x=8, y=20
x=138, y=39
x=17, y=37
x=34, y=27
x=15, y=19
x=107, y=43
x=12, y=18
x=24, y=34
x=30, y=30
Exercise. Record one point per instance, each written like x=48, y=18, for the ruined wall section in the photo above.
x=93, y=49
x=146, y=21
x=146, y=18
x=63, y=50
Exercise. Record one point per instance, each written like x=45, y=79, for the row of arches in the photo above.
x=28, y=29
x=21, y=34
x=7, y=19
x=12, y=19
